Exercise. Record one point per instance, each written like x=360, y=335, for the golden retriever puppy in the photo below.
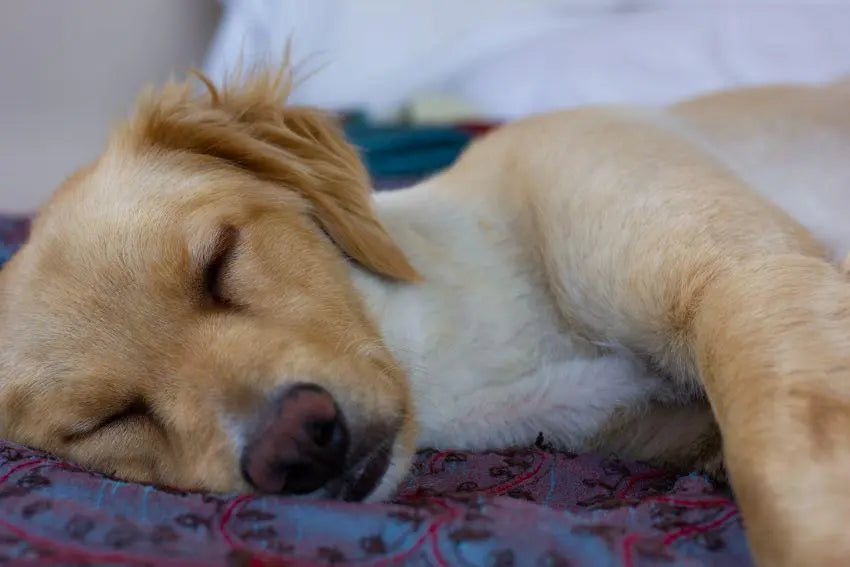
x=218, y=302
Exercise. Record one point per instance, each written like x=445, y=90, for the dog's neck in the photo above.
x=421, y=322
x=445, y=331
x=479, y=337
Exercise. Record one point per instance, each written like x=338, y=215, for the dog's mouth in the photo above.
x=362, y=478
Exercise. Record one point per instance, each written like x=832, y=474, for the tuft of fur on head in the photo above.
x=247, y=124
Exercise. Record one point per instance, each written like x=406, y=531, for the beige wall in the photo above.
x=68, y=68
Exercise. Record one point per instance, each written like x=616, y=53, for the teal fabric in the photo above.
x=403, y=150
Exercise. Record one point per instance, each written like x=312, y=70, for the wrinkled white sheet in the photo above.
x=513, y=57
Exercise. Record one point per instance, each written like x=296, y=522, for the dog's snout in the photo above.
x=301, y=444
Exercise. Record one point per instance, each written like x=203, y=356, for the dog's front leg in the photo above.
x=768, y=338
x=647, y=242
x=767, y=335
x=658, y=248
x=772, y=340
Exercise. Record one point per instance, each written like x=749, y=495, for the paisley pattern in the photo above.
x=530, y=506
x=523, y=507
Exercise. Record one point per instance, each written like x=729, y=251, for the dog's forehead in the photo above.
x=125, y=185
x=117, y=254
x=80, y=282
x=70, y=305
x=153, y=191
x=129, y=214
x=98, y=233
x=95, y=248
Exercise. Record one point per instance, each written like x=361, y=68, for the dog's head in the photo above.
x=182, y=312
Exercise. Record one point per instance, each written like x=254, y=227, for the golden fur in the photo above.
x=117, y=356
x=234, y=159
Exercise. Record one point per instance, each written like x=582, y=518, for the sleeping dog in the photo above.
x=218, y=302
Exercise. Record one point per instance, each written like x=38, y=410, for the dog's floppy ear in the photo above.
x=302, y=149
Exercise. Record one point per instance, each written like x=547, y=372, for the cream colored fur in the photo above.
x=614, y=278
x=556, y=252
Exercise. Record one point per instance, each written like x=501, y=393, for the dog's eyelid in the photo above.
x=136, y=407
x=211, y=276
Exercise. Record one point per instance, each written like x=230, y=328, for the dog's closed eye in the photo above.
x=138, y=407
x=135, y=409
x=212, y=288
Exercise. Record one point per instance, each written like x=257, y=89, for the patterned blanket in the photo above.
x=521, y=507
x=529, y=506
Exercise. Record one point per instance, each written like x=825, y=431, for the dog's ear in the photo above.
x=249, y=126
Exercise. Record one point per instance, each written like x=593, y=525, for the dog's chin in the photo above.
x=374, y=478
x=397, y=469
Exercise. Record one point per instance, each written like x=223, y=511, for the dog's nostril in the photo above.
x=302, y=478
x=325, y=433
x=300, y=446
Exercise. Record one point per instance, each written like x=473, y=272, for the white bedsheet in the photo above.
x=513, y=57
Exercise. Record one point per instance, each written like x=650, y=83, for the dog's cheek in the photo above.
x=208, y=463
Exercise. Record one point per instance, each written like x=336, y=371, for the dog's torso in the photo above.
x=493, y=353
x=491, y=362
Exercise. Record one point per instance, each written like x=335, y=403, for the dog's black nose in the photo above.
x=300, y=445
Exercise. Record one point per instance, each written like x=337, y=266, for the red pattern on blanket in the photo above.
x=520, y=507
x=528, y=506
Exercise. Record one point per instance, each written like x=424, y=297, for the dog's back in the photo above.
x=792, y=143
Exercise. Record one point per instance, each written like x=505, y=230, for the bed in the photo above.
x=521, y=506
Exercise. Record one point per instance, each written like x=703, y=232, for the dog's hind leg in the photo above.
x=679, y=436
